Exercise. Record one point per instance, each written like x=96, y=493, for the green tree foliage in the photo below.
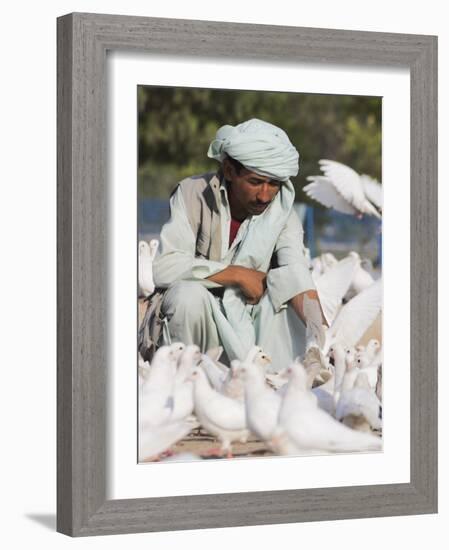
x=176, y=126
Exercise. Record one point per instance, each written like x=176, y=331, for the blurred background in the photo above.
x=176, y=125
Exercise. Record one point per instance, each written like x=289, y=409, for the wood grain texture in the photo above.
x=423, y=273
x=83, y=40
x=64, y=277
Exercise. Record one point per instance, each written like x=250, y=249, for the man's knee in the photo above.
x=185, y=298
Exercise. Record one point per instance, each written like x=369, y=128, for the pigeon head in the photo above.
x=245, y=370
x=163, y=355
x=177, y=348
x=350, y=357
x=196, y=374
x=362, y=361
x=144, y=248
x=253, y=352
x=262, y=359
x=154, y=245
x=189, y=358
x=191, y=353
x=373, y=345
x=354, y=254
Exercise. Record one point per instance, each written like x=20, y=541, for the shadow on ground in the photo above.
x=47, y=520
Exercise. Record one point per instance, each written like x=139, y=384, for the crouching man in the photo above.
x=232, y=270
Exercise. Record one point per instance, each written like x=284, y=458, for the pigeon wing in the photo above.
x=333, y=285
x=323, y=191
x=224, y=412
x=215, y=374
x=355, y=317
x=372, y=189
x=346, y=181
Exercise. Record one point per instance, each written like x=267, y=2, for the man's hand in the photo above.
x=251, y=282
x=298, y=305
x=253, y=285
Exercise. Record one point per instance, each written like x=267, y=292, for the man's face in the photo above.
x=249, y=193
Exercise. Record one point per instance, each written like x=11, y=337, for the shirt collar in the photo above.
x=224, y=191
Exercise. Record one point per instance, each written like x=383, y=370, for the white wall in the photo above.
x=27, y=217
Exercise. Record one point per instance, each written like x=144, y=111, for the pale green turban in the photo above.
x=260, y=146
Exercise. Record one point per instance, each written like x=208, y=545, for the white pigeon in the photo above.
x=370, y=367
x=327, y=394
x=351, y=370
x=147, y=253
x=262, y=403
x=373, y=190
x=233, y=385
x=216, y=371
x=177, y=349
x=361, y=278
x=355, y=317
x=343, y=189
x=333, y=285
x=359, y=407
x=370, y=351
x=156, y=393
x=379, y=388
x=321, y=264
x=183, y=403
x=220, y=415
x=155, y=440
x=310, y=429
x=318, y=368
x=157, y=431
x=144, y=370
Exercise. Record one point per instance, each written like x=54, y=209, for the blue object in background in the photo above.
x=331, y=231
x=310, y=230
x=151, y=216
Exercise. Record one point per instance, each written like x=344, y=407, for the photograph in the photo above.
x=259, y=238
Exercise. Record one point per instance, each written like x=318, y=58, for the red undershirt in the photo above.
x=235, y=224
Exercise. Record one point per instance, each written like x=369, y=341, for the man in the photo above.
x=232, y=261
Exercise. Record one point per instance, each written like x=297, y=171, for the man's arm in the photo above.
x=297, y=303
x=292, y=277
x=177, y=259
x=252, y=283
x=291, y=281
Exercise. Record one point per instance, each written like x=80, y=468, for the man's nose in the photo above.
x=264, y=193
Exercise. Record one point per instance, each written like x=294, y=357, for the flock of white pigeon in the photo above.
x=328, y=401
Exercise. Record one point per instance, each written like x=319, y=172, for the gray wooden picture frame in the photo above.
x=83, y=41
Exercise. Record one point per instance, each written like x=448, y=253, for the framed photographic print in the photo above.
x=140, y=103
x=175, y=127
